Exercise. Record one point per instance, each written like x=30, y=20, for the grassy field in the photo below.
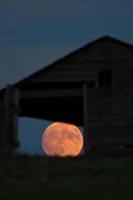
x=81, y=178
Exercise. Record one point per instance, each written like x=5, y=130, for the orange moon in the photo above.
x=62, y=139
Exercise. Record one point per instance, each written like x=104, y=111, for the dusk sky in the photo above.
x=34, y=33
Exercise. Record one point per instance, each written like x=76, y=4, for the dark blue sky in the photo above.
x=34, y=33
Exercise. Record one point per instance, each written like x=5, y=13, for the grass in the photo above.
x=85, y=177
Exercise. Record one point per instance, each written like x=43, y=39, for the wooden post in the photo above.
x=1, y=122
x=85, y=117
x=11, y=100
x=15, y=112
x=7, y=112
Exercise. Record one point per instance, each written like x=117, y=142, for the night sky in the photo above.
x=34, y=33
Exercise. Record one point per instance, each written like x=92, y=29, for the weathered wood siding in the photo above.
x=111, y=115
x=84, y=64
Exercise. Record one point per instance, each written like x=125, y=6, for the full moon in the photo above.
x=62, y=139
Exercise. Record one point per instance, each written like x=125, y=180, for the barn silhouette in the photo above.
x=90, y=87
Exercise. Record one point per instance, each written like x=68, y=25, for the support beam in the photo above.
x=85, y=117
x=11, y=103
x=49, y=93
x=1, y=121
x=15, y=112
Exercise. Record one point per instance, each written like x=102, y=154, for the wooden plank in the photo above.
x=54, y=79
x=50, y=93
x=15, y=112
x=1, y=121
x=7, y=114
x=11, y=102
x=85, y=116
x=109, y=143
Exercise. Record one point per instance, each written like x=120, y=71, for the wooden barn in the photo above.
x=90, y=87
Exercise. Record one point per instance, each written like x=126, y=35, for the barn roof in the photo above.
x=107, y=42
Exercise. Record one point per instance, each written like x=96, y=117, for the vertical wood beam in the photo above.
x=1, y=121
x=11, y=101
x=15, y=112
x=85, y=117
x=7, y=112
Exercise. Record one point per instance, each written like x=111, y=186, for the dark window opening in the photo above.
x=91, y=84
x=105, y=78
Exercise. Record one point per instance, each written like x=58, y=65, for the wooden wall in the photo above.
x=111, y=115
x=83, y=64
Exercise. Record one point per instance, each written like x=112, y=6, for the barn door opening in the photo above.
x=30, y=133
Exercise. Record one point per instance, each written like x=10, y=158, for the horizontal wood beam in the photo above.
x=76, y=79
x=112, y=141
x=50, y=93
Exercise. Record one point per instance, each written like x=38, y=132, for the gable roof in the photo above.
x=107, y=40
